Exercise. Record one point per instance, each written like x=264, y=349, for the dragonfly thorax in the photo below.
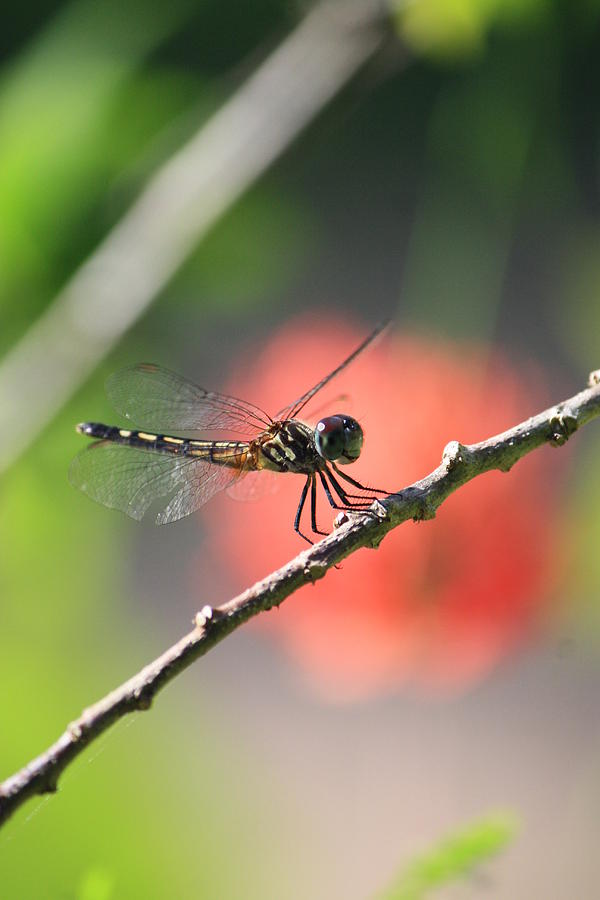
x=339, y=438
x=288, y=446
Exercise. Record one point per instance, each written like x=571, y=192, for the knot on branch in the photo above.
x=314, y=570
x=342, y=518
x=75, y=730
x=142, y=698
x=453, y=455
x=376, y=511
x=594, y=378
x=202, y=618
x=50, y=784
x=562, y=426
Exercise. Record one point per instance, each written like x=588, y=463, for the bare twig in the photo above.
x=417, y=501
x=183, y=200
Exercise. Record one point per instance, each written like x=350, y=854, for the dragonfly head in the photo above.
x=339, y=438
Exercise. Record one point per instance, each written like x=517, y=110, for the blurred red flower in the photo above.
x=439, y=602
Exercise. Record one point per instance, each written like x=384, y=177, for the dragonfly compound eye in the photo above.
x=339, y=438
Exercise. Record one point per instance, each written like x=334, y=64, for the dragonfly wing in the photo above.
x=160, y=401
x=131, y=480
x=291, y=411
x=256, y=484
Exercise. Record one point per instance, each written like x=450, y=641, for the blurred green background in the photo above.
x=453, y=183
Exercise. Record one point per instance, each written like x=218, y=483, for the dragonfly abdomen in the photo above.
x=233, y=454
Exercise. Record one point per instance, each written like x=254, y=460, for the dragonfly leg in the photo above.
x=313, y=505
x=346, y=505
x=300, y=508
x=327, y=491
x=356, y=483
x=350, y=501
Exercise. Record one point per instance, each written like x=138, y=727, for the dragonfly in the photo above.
x=163, y=458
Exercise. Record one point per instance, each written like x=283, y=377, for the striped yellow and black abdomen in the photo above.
x=234, y=454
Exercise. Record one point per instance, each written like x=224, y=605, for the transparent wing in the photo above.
x=256, y=484
x=158, y=400
x=291, y=411
x=131, y=480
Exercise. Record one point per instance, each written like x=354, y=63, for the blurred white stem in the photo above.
x=181, y=203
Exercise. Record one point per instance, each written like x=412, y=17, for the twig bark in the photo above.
x=418, y=501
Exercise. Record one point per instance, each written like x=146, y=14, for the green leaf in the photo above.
x=456, y=856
